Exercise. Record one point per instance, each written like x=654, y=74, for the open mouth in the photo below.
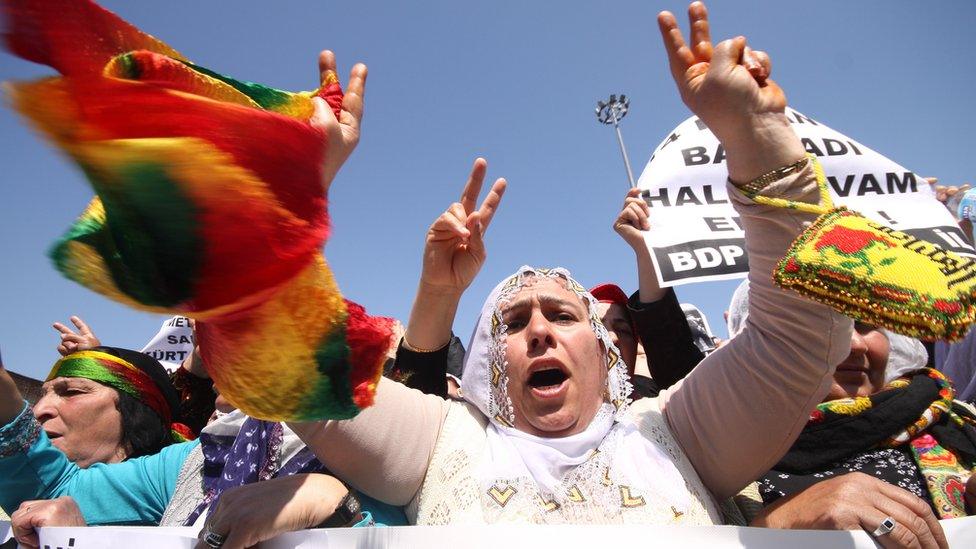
x=548, y=379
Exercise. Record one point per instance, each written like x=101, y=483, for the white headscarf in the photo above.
x=557, y=468
x=905, y=354
x=738, y=309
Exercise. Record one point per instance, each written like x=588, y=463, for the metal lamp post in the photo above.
x=613, y=111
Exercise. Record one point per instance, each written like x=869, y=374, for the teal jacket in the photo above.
x=133, y=492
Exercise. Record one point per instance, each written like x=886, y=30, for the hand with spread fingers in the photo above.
x=342, y=133
x=895, y=517
x=729, y=88
x=247, y=515
x=31, y=515
x=72, y=341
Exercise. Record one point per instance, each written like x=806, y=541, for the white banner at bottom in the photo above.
x=960, y=533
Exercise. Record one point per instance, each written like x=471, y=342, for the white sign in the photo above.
x=696, y=235
x=172, y=344
x=959, y=533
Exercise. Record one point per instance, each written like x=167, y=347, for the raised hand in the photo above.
x=455, y=247
x=453, y=254
x=633, y=220
x=194, y=362
x=72, y=341
x=728, y=87
x=342, y=133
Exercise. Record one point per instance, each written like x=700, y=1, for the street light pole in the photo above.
x=613, y=111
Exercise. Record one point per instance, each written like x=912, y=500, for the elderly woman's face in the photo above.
x=81, y=419
x=556, y=365
x=863, y=371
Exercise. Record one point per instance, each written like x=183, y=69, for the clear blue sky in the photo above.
x=515, y=82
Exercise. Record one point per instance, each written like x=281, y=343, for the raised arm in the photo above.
x=741, y=408
x=385, y=450
x=453, y=254
x=661, y=325
x=630, y=224
x=342, y=131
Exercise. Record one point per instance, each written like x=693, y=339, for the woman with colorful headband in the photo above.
x=236, y=459
x=106, y=405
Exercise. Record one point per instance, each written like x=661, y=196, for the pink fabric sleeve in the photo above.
x=384, y=451
x=738, y=412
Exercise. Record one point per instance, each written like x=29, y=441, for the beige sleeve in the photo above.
x=738, y=412
x=384, y=451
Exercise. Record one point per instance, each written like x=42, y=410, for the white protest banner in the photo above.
x=104, y=537
x=959, y=533
x=696, y=235
x=172, y=344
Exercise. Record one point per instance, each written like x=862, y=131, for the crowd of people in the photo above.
x=567, y=405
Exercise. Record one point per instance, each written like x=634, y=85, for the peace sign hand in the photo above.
x=728, y=87
x=455, y=247
x=71, y=341
x=342, y=132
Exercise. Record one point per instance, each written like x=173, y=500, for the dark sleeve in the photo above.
x=644, y=387
x=668, y=344
x=426, y=372
x=197, y=398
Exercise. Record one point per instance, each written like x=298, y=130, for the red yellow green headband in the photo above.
x=122, y=376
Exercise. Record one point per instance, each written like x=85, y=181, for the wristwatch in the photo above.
x=348, y=512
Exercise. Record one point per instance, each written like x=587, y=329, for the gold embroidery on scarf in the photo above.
x=547, y=506
x=626, y=500
x=575, y=495
x=502, y=497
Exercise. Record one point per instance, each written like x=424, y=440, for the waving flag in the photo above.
x=209, y=204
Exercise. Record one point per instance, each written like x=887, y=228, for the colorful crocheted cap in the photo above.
x=873, y=273
x=209, y=204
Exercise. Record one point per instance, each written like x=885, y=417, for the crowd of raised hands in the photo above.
x=328, y=473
